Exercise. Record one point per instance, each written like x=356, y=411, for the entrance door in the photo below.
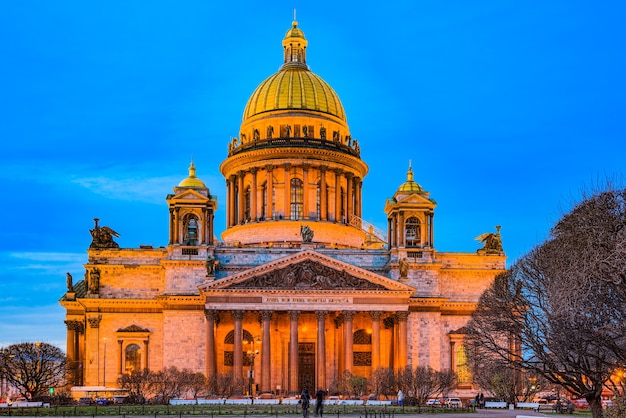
x=306, y=367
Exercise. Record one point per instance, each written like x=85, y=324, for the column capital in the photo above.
x=323, y=168
x=265, y=315
x=212, y=315
x=348, y=315
x=321, y=315
x=287, y=166
x=269, y=167
x=94, y=321
x=402, y=316
x=349, y=175
x=238, y=315
x=294, y=314
x=375, y=315
x=306, y=166
x=254, y=170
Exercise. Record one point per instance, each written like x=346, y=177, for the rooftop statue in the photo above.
x=492, y=242
x=307, y=234
x=102, y=237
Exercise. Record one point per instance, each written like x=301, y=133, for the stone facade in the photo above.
x=297, y=275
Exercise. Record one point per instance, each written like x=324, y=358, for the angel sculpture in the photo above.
x=492, y=242
x=102, y=237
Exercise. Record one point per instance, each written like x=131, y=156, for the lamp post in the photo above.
x=251, y=354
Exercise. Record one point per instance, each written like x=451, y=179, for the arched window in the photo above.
x=362, y=355
x=229, y=342
x=132, y=358
x=246, y=210
x=297, y=199
x=412, y=234
x=191, y=230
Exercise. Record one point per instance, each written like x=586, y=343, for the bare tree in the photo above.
x=196, y=383
x=559, y=311
x=138, y=383
x=33, y=368
x=351, y=384
x=382, y=382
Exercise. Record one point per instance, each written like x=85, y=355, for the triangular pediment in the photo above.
x=133, y=328
x=308, y=271
x=189, y=194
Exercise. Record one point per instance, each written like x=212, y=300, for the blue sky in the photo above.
x=507, y=110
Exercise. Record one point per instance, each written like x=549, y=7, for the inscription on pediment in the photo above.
x=308, y=274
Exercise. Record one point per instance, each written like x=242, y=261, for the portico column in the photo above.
x=266, y=351
x=293, y=351
x=348, y=337
x=321, y=349
x=323, y=203
x=375, y=339
x=238, y=346
x=211, y=364
x=402, y=338
x=253, y=195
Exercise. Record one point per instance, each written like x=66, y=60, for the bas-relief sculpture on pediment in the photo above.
x=307, y=274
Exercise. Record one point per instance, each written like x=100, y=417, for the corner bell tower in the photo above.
x=192, y=210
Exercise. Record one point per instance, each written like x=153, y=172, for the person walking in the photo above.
x=400, y=398
x=305, y=399
x=319, y=403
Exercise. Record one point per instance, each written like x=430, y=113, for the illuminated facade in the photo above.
x=297, y=275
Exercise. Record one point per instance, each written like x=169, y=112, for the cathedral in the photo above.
x=298, y=289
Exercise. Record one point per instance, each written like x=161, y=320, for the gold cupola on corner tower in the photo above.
x=410, y=215
x=295, y=162
x=192, y=210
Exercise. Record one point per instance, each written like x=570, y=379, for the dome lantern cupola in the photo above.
x=294, y=45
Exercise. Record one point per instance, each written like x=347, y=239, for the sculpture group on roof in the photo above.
x=102, y=237
x=492, y=242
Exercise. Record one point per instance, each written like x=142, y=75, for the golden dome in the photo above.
x=294, y=89
x=410, y=186
x=294, y=86
x=192, y=180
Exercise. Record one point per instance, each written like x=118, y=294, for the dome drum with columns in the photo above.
x=297, y=275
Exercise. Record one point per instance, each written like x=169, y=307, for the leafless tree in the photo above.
x=351, y=384
x=33, y=368
x=382, y=382
x=559, y=311
x=196, y=384
x=138, y=383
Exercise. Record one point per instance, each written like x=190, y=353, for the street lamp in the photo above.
x=251, y=354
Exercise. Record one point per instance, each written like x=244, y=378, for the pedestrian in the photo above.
x=319, y=403
x=400, y=398
x=305, y=399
